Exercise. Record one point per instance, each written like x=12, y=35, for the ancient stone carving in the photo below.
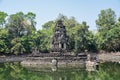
x=60, y=39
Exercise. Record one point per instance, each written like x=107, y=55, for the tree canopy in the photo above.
x=18, y=34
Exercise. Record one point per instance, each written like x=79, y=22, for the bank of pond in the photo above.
x=14, y=71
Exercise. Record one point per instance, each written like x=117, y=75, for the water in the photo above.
x=14, y=71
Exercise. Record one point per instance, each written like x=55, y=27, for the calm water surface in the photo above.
x=14, y=71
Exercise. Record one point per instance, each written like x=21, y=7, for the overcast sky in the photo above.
x=45, y=10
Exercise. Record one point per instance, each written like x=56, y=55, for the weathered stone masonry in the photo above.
x=60, y=40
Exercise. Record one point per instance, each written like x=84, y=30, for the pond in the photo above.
x=14, y=71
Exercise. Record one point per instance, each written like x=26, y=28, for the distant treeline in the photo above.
x=18, y=34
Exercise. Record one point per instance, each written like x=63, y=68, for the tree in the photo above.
x=17, y=47
x=19, y=28
x=106, y=20
x=108, y=31
x=15, y=24
x=4, y=41
x=3, y=15
x=48, y=25
x=84, y=39
x=19, y=23
x=30, y=17
x=43, y=39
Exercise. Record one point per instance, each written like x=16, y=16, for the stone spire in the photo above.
x=60, y=40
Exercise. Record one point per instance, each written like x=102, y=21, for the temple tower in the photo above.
x=60, y=40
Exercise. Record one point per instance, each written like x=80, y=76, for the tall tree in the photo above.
x=19, y=28
x=3, y=15
x=108, y=32
x=84, y=39
x=31, y=19
x=15, y=24
x=106, y=20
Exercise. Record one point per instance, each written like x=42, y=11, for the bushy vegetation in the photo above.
x=18, y=34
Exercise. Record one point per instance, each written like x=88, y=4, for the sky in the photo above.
x=46, y=10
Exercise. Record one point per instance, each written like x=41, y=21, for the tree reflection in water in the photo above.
x=14, y=71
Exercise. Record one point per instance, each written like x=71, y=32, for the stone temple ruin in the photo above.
x=59, y=56
x=60, y=40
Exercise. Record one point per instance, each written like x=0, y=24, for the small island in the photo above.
x=60, y=56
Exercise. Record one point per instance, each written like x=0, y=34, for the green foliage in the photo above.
x=18, y=33
x=84, y=39
x=15, y=24
x=4, y=42
x=17, y=47
x=48, y=25
x=108, y=33
x=20, y=26
x=106, y=20
x=44, y=39
x=30, y=17
x=3, y=15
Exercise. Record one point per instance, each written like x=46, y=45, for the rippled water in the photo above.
x=14, y=71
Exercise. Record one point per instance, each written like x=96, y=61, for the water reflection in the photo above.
x=14, y=71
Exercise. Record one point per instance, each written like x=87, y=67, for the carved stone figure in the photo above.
x=60, y=40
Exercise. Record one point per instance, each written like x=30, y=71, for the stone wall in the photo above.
x=109, y=57
x=12, y=59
